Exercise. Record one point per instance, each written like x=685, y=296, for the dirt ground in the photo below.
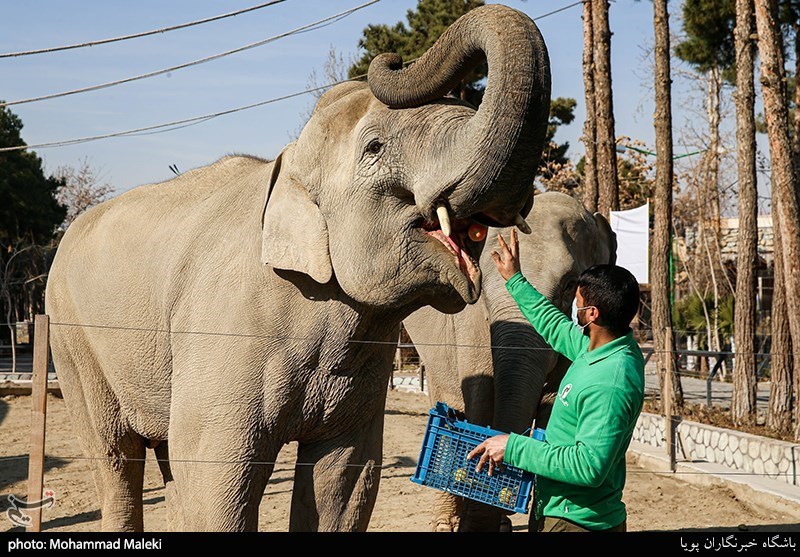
x=656, y=502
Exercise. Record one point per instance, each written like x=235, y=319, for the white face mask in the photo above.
x=575, y=309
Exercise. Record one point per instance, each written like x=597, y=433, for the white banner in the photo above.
x=633, y=240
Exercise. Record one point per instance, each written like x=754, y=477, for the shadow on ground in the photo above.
x=15, y=468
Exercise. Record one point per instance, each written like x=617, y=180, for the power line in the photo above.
x=192, y=63
x=138, y=35
x=177, y=124
x=560, y=9
x=173, y=125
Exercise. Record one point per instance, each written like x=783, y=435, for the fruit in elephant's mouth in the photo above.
x=455, y=235
x=477, y=232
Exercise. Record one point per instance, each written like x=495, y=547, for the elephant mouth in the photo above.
x=462, y=239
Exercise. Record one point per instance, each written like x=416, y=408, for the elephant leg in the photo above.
x=219, y=470
x=216, y=491
x=116, y=452
x=122, y=478
x=162, y=456
x=447, y=509
x=336, y=481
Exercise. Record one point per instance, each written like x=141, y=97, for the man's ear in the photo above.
x=294, y=234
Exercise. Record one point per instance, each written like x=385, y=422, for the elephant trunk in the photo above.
x=499, y=148
x=521, y=360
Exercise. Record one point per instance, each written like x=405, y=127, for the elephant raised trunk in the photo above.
x=498, y=150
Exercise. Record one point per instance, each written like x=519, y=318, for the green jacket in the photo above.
x=580, y=468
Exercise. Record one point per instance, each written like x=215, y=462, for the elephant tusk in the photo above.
x=522, y=225
x=444, y=219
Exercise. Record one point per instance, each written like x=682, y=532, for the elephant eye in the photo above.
x=374, y=147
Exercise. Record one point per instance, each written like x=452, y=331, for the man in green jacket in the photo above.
x=580, y=468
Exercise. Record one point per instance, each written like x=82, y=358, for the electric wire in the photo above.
x=108, y=84
x=139, y=35
x=171, y=126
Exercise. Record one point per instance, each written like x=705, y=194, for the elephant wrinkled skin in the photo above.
x=498, y=387
x=251, y=303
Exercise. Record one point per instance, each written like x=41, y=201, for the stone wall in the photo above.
x=729, y=234
x=739, y=451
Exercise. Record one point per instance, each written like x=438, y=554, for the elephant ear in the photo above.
x=607, y=237
x=294, y=235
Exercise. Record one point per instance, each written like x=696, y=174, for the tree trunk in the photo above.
x=607, y=183
x=590, y=191
x=796, y=128
x=712, y=176
x=662, y=203
x=711, y=212
x=743, y=404
x=779, y=415
x=785, y=382
x=773, y=88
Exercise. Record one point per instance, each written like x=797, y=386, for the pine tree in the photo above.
x=29, y=215
x=29, y=211
x=425, y=25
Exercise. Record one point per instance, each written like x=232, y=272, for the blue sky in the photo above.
x=279, y=68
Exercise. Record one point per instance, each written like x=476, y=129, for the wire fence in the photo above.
x=407, y=362
x=691, y=360
x=279, y=466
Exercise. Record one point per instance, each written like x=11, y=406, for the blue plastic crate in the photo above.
x=443, y=464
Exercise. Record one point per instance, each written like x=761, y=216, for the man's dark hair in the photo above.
x=614, y=291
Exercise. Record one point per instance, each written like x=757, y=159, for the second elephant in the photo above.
x=487, y=360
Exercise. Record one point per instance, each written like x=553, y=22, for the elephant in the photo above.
x=487, y=361
x=252, y=303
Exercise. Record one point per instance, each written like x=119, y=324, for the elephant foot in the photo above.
x=442, y=526
x=446, y=525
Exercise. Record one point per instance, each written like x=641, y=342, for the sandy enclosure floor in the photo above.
x=656, y=501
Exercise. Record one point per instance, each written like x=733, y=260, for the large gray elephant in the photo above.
x=487, y=361
x=247, y=304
